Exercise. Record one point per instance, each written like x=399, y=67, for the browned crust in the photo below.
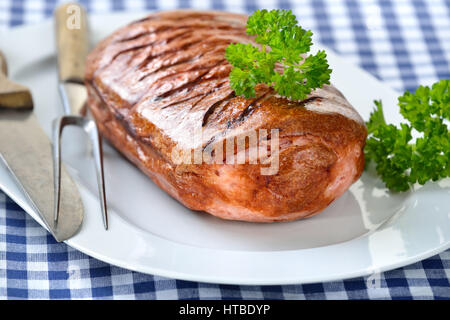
x=151, y=82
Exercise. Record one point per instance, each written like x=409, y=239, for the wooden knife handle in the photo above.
x=3, y=66
x=12, y=95
x=72, y=42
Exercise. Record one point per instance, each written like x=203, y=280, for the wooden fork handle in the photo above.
x=72, y=44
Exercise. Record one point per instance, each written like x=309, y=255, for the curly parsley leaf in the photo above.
x=284, y=45
x=401, y=162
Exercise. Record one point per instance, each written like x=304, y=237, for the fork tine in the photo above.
x=90, y=128
x=98, y=159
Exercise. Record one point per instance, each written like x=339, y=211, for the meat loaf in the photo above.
x=157, y=82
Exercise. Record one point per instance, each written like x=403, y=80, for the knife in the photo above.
x=27, y=153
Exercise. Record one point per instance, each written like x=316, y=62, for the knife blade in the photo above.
x=26, y=151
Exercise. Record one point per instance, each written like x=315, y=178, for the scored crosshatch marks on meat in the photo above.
x=255, y=147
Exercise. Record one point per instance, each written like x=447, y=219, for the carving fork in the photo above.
x=72, y=45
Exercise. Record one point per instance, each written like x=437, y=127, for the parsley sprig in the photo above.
x=283, y=45
x=400, y=161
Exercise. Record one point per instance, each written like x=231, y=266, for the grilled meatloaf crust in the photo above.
x=156, y=80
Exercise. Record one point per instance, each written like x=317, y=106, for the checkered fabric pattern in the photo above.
x=403, y=43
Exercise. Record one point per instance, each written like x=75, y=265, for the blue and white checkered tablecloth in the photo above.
x=403, y=43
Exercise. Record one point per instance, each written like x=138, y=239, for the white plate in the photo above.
x=367, y=230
